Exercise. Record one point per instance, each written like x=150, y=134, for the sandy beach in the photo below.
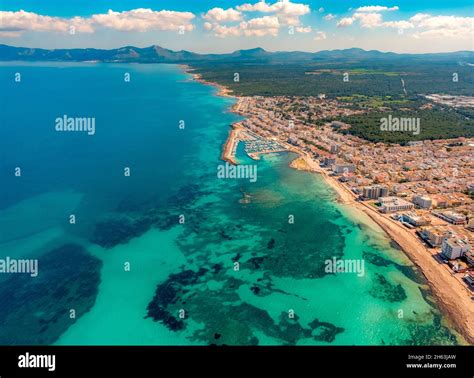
x=454, y=298
x=222, y=91
x=227, y=150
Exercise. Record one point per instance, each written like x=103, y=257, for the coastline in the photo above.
x=227, y=150
x=452, y=296
x=222, y=90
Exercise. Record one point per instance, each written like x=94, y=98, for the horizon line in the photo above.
x=249, y=49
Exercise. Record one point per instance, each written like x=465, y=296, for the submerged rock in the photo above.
x=36, y=310
x=386, y=291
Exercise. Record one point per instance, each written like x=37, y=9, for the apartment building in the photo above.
x=375, y=191
x=414, y=219
x=424, y=202
x=393, y=204
x=454, y=247
x=451, y=217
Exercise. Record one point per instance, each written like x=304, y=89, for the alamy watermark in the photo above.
x=336, y=265
x=25, y=266
x=400, y=124
x=75, y=124
x=240, y=171
x=46, y=361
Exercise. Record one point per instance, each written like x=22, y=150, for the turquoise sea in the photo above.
x=152, y=257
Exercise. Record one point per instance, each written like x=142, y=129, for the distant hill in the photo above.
x=158, y=54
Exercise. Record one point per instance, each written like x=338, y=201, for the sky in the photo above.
x=220, y=26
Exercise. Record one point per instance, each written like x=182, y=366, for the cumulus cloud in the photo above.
x=398, y=24
x=255, y=27
x=443, y=26
x=223, y=15
x=281, y=13
x=447, y=22
x=329, y=17
x=376, y=8
x=143, y=20
x=226, y=31
x=346, y=21
x=138, y=20
x=320, y=35
x=424, y=25
x=15, y=23
x=281, y=6
x=261, y=26
x=368, y=20
x=288, y=13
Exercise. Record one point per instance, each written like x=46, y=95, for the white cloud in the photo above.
x=281, y=13
x=376, y=8
x=368, y=20
x=135, y=20
x=223, y=15
x=281, y=7
x=320, y=35
x=15, y=23
x=419, y=17
x=288, y=13
x=444, y=22
x=142, y=20
x=443, y=26
x=423, y=25
x=226, y=31
x=255, y=27
x=258, y=27
x=329, y=17
x=346, y=21
x=321, y=10
x=398, y=24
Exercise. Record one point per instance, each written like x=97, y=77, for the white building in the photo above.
x=423, y=202
x=393, y=204
x=434, y=236
x=414, y=219
x=454, y=247
x=451, y=217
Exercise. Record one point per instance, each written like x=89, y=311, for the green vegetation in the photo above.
x=382, y=78
x=357, y=71
x=374, y=87
x=436, y=123
x=363, y=101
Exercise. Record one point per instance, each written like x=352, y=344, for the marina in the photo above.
x=255, y=145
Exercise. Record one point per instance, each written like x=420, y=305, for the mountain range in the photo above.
x=157, y=54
